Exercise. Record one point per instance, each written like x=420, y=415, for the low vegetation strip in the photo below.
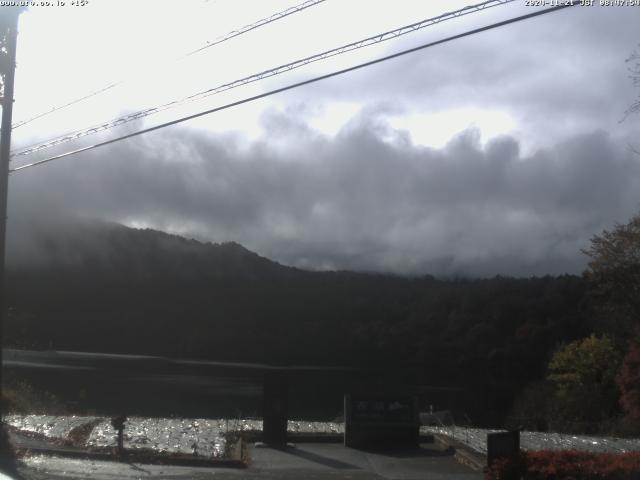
x=567, y=464
x=476, y=438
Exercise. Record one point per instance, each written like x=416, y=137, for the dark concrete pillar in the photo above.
x=275, y=403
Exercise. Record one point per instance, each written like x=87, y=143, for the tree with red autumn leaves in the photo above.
x=628, y=380
x=614, y=275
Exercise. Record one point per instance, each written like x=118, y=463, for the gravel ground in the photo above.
x=203, y=437
x=476, y=438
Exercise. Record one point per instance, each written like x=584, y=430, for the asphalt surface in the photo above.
x=313, y=461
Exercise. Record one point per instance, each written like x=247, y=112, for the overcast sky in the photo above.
x=500, y=153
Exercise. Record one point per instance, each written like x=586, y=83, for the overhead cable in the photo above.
x=68, y=137
x=297, y=84
x=223, y=38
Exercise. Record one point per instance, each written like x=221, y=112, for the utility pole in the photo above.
x=8, y=40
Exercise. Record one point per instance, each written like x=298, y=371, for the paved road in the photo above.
x=88, y=361
x=308, y=461
x=161, y=386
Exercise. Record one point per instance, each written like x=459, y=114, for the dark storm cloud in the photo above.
x=367, y=199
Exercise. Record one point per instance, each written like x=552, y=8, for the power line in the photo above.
x=391, y=34
x=60, y=107
x=298, y=84
x=258, y=24
x=223, y=38
x=261, y=75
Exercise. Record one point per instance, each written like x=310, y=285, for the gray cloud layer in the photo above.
x=355, y=201
x=369, y=199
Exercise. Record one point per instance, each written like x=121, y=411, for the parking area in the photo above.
x=306, y=460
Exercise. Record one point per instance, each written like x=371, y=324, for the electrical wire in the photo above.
x=223, y=38
x=258, y=24
x=391, y=34
x=298, y=84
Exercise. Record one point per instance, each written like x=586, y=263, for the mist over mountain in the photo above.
x=97, y=246
x=368, y=199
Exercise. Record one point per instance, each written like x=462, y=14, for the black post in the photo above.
x=120, y=441
x=118, y=424
x=8, y=40
x=9, y=35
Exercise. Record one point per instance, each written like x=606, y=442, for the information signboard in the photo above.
x=381, y=421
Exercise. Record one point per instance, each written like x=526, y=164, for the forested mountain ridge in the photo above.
x=106, y=287
x=114, y=248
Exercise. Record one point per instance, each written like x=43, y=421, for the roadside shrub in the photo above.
x=567, y=465
x=583, y=374
x=628, y=380
x=22, y=398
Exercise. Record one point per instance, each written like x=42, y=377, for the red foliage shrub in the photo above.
x=504, y=469
x=628, y=379
x=567, y=465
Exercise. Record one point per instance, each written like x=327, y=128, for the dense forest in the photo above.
x=107, y=288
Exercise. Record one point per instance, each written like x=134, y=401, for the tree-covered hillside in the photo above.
x=105, y=287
